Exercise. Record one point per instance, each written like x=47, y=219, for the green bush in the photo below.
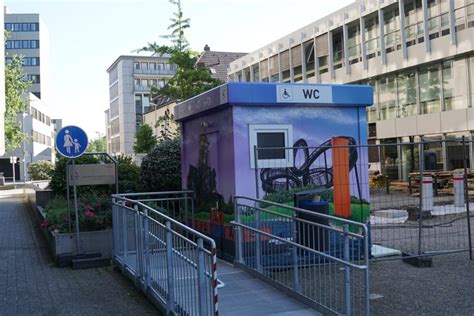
x=161, y=168
x=40, y=170
x=128, y=174
x=94, y=213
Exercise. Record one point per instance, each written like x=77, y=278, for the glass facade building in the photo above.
x=417, y=54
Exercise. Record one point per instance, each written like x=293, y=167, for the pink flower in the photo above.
x=44, y=223
x=89, y=213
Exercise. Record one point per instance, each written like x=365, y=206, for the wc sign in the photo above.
x=304, y=94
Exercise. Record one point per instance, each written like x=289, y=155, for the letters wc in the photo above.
x=222, y=127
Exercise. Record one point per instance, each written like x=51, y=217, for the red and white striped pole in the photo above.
x=214, y=280
x=427, y=194
x=458, y=184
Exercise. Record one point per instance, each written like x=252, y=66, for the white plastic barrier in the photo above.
x=458, y=183
x=427, y=194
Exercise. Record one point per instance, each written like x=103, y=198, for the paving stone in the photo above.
x=31, y=284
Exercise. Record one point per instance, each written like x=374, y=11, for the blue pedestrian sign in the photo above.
x=71, y=141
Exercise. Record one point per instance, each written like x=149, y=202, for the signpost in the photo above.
x=13, y=160
x=71, y=142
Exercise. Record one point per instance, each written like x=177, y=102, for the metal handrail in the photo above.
x=175, y=241
x=292, y=243
x=301, y=210
x=170, y=219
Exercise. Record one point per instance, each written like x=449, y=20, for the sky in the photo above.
x=86, y=36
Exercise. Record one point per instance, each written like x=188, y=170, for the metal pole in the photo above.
x=138, y=251
x=68, y=195
x=116, y=177
x=169, y=269
x=420, y=212
x=347, y=270
x=367, y=244
x=296, y=274
x=203, y=306
x=257, y=193
x=238, y=246
x=13, y=169
x=258, y=237
x=76, y=211
x=466, y=196
x=146, y=243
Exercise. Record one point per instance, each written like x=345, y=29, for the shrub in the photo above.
x=128, y=174
x=40, y=170
x=94, y=213
x=161, y=168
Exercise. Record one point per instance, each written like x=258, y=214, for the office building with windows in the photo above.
x=28, y=37
x=130, y=80
x=417, y=54
x=37, y=124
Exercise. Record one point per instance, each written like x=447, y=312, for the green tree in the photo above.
x=189, y=80
x=128, y=174
x=144, y=139
x=97, y=145
x=16, y=102
x=161, y=168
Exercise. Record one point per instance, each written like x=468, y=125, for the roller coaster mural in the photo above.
x=314, y=169
x=296, y=177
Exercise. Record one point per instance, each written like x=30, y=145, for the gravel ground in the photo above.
x=444, y=289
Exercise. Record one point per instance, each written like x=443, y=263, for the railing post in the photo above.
x=367, y=244
x=125, y=238
x=201, y=274
x=421, y=162
x=238, y=238
x=146, y=247
x=258, y=240
x=138, y=252
x=114, y=229
x=466, y=196
x=169, y=269
x=296, y=274
x=347, y=270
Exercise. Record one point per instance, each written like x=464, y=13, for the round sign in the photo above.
x=71, y=141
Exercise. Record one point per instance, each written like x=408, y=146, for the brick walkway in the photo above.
x=30, y=283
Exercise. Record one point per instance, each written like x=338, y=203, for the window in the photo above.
x=137, y=82
x=136, y=65
x=153, y=66
x=429, y=89
x=454, y=84
x=407, y=98
x=22, y=44
x=387, y=98
x=144, y=65
x=144, y=83
x=33, y=78
x=22, y=27
x=271, y=142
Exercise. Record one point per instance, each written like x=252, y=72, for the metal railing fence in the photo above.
x=172, y=263
x=416, y=196
x=321, y=259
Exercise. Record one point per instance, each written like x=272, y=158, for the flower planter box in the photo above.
x=63, y=246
